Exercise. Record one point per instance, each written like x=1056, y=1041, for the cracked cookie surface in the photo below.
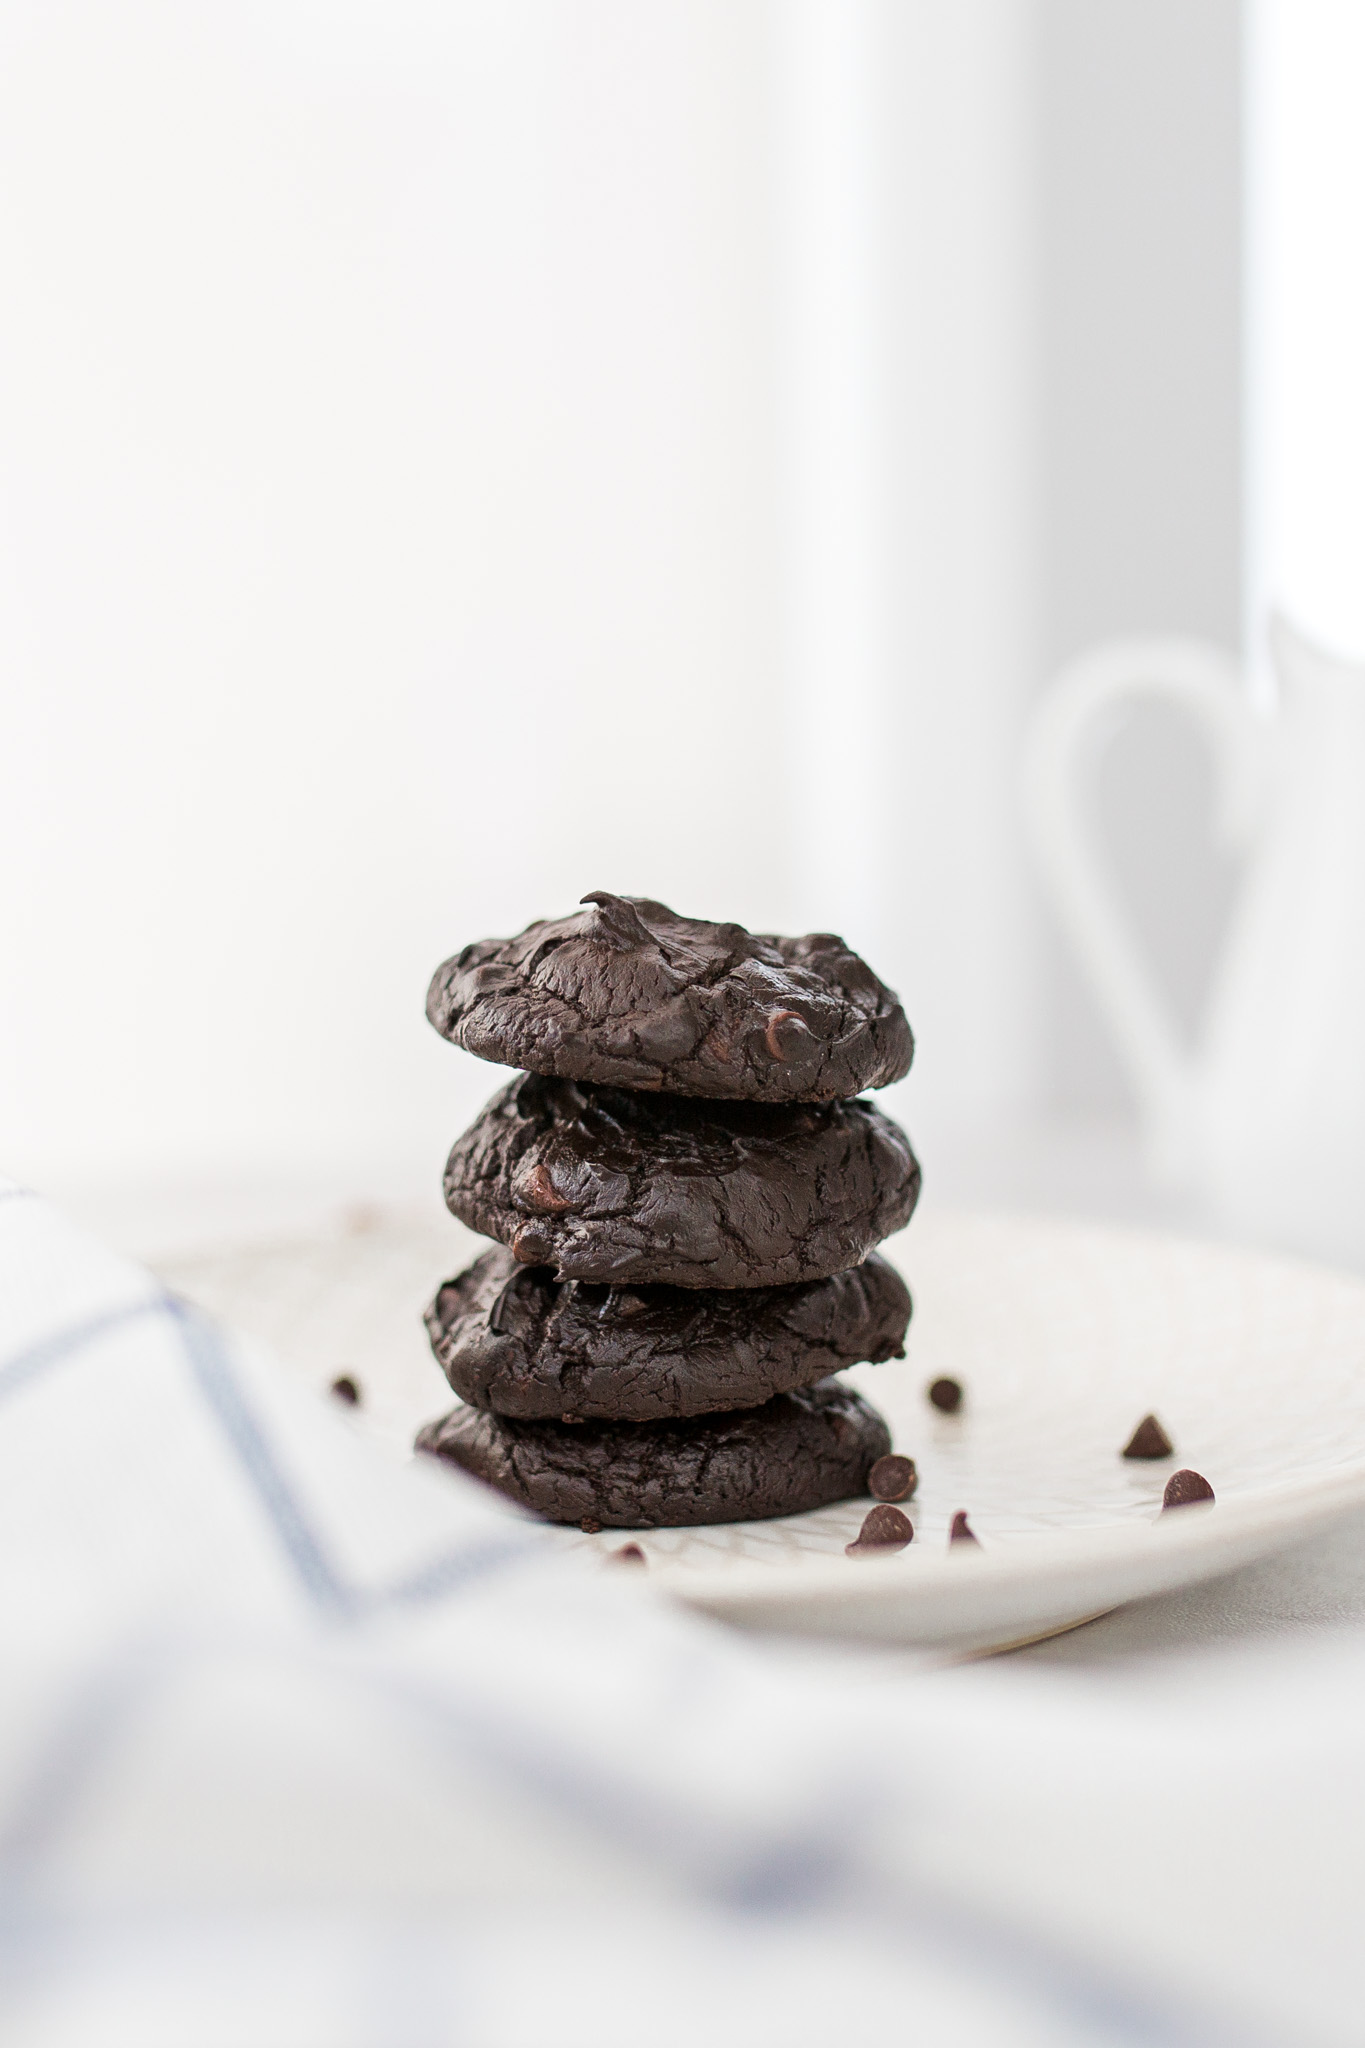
x=516, y=1340
x=801, y=1450
x=646, y=1190
x=627, y=992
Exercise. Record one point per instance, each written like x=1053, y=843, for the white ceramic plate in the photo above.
x=1063, y=1335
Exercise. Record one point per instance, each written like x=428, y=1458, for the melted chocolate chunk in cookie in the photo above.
x=650, y=1190
x=628, y=992
x=801, y=1450
x=515, y=1339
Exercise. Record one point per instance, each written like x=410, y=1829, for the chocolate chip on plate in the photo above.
x=961, y=1531
x=892, y=1478
x=1185, y=1489
x=1149, y=1440
x=946, y=1395
x=346, y=1389
x=884, y=1529
x=629, y=1553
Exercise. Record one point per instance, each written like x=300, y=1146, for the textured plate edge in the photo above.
x=935, y=1596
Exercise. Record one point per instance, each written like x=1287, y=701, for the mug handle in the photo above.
x=1206, y=683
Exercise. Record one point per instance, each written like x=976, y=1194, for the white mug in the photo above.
x=1266, y=1117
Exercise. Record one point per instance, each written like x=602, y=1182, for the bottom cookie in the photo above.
x=801, y=1450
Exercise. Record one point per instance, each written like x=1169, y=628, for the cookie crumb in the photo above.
x=346, y=1389
x=1185, y=1489
x=589, y=1526
x=1149, y=1440
x=884, y=1528
x=629, y=1553
x=961, y=1531
x=946, y=1396
x=569, y=1417
x=892, y=1478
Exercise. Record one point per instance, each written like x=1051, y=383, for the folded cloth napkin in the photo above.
x=303, y=1744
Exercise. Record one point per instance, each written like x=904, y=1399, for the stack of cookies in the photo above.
x=686, y=1200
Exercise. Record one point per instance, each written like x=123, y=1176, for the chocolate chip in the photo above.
x=617, y=922
x=589, y=1526
x=946, y=1395
x=784, y=1030
x=892, y=1478
x=961, y=1531
x=540, y=1191
x=530, y=1247
x=346, y=1389
x=718, y=1044
x=1185, y=1489
x=629, y=1553
x=498, y=1314
x=1149, y=1440
x=884, y=1528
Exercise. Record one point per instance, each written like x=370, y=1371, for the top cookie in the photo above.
x=628, y=993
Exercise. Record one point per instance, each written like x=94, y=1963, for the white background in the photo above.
x=411, y=470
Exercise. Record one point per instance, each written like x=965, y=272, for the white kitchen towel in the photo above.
x=303, y=1745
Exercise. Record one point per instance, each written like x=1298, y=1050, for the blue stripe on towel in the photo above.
x=213, y=1375
x=69, y=1343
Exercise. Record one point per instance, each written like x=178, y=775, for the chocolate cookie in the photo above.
x=627, y=992
x=514, y=1339
x=801, y=1450
x=650, y=1190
